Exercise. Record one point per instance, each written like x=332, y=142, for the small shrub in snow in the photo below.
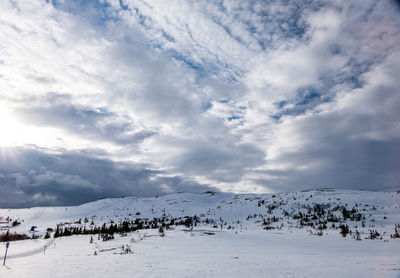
x=396, y=234
x=373, y=234
x=161, y=231
x=357, y=235
x=15, y=223
x=344, y=230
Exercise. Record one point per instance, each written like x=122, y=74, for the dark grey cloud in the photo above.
x=217, y=156
x=364, y=164
x=354, y=146
x=222, y=161
x=32, y=177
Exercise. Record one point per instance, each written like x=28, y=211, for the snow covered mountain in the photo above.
x=362, y=210
x=330, y=223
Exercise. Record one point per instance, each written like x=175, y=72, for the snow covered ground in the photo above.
x=242, y=247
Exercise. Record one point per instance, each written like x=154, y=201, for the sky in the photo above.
x=111, y=98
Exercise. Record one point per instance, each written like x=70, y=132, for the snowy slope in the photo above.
x=270, y=235
x=375, y=206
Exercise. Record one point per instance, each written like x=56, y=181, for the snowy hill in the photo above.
x=380, y=210
x=325, y=222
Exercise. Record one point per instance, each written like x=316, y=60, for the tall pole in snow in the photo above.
x=5, y=256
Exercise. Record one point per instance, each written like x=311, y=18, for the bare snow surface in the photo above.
x=271, y=235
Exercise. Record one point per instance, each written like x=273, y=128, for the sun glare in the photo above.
x=9, y=130
x=15, y=133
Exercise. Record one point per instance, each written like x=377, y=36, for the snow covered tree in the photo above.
x=47, y=235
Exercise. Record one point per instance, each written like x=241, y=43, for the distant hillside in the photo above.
x=359, y=214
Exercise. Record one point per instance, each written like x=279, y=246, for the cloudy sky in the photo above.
x=111, y=98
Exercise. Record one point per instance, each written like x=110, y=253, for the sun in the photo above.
x=10, y=130
x=19, y=131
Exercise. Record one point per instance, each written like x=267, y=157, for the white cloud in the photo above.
x=243, y=96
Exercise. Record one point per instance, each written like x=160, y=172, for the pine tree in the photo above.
x=57, y=233
x=396, y=234
x=344, y=230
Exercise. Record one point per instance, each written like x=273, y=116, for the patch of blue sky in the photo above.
x=167, y=36
x=123, y=5
x=281, y=104
x=234, y=117
x=276, y=117
x=227, y=30
x=308, y=98
x=294, y=27
x=358, y=68
x=198, y=67
x=289, y=112
x=207, y=106
x=355, y=81
x=351, y=74
x=308, y=95
x=203, y=68
x=97, y=12
x=141, y=18
x=289, y=26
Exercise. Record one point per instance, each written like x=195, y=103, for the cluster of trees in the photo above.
x=318, y=216
x=373, y=234
x=7, y=236
x=14, y=223
x=267, y=222
x=108, y=230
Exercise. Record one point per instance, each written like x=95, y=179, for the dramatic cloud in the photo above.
x=122, y=97
x=35, y=177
